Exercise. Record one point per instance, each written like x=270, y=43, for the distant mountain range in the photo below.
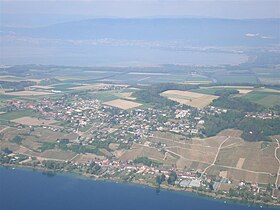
x=195, y=31
x=146, y=41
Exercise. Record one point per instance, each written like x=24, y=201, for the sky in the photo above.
x=237, y=9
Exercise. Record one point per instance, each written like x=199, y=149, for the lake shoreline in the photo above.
x=213, y=196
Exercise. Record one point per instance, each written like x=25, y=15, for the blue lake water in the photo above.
x=27, y=190
x=110, y=56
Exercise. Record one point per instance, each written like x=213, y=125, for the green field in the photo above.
x=64, y=86
x=177, y=78
x=267, y=99
x=160, y=78
x=236, y=78
x=105, y=96
x=16, y=114
x=6, y=97
x=268, y=75
x=259, y=96
x=209, y=91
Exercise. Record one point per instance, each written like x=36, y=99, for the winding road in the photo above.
x=217, y=154
x=275, y=154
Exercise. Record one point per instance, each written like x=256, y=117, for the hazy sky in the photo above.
x=144, y=8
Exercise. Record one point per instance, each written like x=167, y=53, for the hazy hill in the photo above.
x=146, y=41
x=196, y=31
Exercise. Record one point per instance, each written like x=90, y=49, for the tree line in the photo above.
x=151, y=94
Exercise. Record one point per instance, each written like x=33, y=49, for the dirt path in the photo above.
x=275, y=154
x=178, y=142
x=242, y=169
x=180, y=156
x=165, y=154
x=74, y=157
x=185, y=148
x=4, y=129
x=217, y=154
x=174, y=153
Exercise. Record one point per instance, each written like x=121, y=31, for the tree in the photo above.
x=160, y=179
x=7, y=151
x=17, y=139
x=172, y=178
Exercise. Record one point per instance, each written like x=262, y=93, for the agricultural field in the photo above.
x=41, y=87
x=10, y=78
x=63, y=86
x=85, y=158
x=124, y=95
x=212, y=89
x=16, y=114
x=106, y=152
x=150, y=73
x=158, y=77
x=138, y=150
x=90, y=87
x=68, y=75
x=95, y=87
x=25, y=141
x=265, y=98
x=225, y=77
x=123, y=104
x=4, y=97
x=183, y=78
x=197, y=100
x=193, y=154
x=109, y=95
x=197, y=82
x=247, y=155
x=33, y=121
x=56, y=154
x=46, y=135
x=226, y=153
x=113, y=146
x=28, y=93
x=104, y=96
x=268, y=75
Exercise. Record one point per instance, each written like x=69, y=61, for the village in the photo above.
x=95, y=124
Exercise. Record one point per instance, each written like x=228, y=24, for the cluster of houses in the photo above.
x=263, y=115
x=93, y=120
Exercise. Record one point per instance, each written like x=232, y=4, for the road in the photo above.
x=217, y=154
x=4, y=129
x=275, y=154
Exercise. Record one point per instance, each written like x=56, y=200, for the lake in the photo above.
x=85, y=55
x=27, y=190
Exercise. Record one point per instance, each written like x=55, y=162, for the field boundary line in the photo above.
x=181, y=142
x=242, y=169
x=185, y=157
x=185, y=148
x=217, y=154
x=4, y=129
